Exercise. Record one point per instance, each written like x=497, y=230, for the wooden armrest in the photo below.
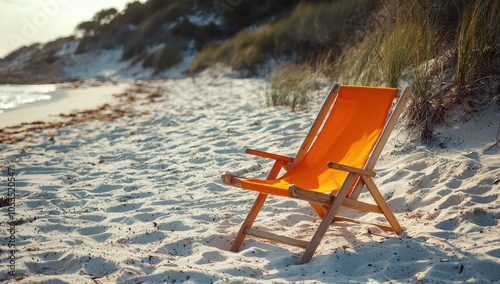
x=350, y=169
x=269, y=155
x=230, y=179
x=308, y=195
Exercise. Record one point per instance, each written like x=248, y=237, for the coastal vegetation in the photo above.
x=290, y=86
x=448, y=52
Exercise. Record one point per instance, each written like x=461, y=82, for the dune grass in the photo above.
x=290, y=86
x=200, y=34
x=397, y=49
x=309, y=24
x=477, y=41
x=407, y=47
x=444, y=50
x=246, y=49
x=327, y=23
x=167, y=57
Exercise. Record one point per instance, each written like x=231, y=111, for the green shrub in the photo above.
x=245, y=49
x=201, y=34
x=327, y=22
x=309, y=25
x=134, y=13
x=167, y=57
x=151, y=25
x=204, y=58
x=247, y=13
x=136, y=44
x=85, y=43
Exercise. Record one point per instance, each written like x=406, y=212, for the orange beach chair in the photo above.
x=333, y=165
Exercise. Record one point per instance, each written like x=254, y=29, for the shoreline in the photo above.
x=65, y=99
x=55, y=95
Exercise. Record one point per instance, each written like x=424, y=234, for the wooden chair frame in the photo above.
x=327, y=205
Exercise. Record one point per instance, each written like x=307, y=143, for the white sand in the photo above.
x=64, y=101
x=139, y=199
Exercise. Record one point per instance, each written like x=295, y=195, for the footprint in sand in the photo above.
x=149, y=237
x=55, y=263
x=210, y=257
x=451, y=200
x=180, y=248
x=481, y=217
x=447, y=225
x=125, y=207
x=99, y=267
x=89, y=231
x=106, y=188
x=453, y=183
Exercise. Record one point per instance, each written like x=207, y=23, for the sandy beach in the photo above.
x=138, y=199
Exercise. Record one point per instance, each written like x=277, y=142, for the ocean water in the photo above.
x=14, y=96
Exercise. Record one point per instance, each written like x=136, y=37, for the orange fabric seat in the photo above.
x=348, y=136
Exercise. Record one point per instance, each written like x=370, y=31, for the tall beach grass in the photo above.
x=443, y=50
x=478, y=38
x=317, y=25
x=291, y=86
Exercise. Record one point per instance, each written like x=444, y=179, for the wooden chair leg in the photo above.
x=238, y=240
x=320, y=232
x=379, y=199
x=327, y=220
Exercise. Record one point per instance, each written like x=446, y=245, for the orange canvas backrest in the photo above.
x=348, y=136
